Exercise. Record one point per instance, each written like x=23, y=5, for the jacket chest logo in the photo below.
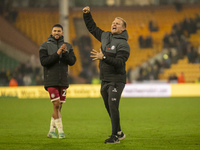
x=112, y=47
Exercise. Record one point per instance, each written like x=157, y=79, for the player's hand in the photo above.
x=96, y=55
x=86, y=9
x=59, y=51
x=64, y=48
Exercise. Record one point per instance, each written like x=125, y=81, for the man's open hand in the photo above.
x=96, y=55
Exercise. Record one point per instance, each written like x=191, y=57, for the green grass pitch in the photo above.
x=149, y=124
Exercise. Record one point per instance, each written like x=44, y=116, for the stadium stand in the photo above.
x=7, y=62
x=137, y=24
x=36, y=24
x=16, y=39
x=195, y=39
x=191, y=71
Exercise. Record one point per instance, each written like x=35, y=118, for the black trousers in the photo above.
x=111, y=94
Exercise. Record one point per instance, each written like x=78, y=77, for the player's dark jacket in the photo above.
x=114, y=47
x=56, y=66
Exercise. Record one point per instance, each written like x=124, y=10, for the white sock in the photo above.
x=119, y=132
x=59, y=125
x=52, y=125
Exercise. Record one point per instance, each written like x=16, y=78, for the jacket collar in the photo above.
x=123, y=35
x=52, y=39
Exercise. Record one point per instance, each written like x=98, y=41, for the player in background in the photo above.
x=112, y=58
x=55, y=57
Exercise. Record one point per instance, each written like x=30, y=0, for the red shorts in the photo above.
x=57, y=93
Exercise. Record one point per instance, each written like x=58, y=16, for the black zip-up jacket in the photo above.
x=114, y=47
x=56, y=66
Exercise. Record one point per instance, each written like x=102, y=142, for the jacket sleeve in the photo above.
x=121, y=57
x=45, y=59
x=69, y=58
x=91, y=26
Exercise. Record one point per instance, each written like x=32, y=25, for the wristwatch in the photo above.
x=104, y=57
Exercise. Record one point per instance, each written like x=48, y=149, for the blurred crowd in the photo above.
x=8, y=11
x=26, y=74
x=23, y=75
x=179, y=39
x=177, y=45
x=89, y=73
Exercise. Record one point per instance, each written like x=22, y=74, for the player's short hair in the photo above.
x=57, y=25
x=124, y=22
